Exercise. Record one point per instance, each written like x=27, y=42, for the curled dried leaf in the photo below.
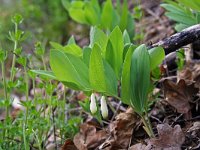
x=89, y=137
x=169, y=137
x=179, y=95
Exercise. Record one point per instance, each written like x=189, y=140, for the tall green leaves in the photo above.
x=99, y=37
x=102, y=77
x=140, y=78
x=136, y=75
x=70, y=68
x=125, y=84
x=88, y=69
x=96, y=72
x=114, y=51
x=106, y=16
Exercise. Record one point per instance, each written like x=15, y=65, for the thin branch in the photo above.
x=178, y=40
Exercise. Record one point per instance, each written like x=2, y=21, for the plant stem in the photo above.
x=38, y=140
x=147, y=125
x=53, y=117
x=27, y=108
x=5, y=87
x=14, y=56
x=43, y=61
x=5, y=95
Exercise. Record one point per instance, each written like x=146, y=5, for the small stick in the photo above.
x=178, y=40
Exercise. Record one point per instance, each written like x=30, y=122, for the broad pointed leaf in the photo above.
x=157, y=55
x=125, y=84
x=45, y=73
x=96, y=70
x=69, y=68
x=114, y=53
x=99, y=37
x=140, y=78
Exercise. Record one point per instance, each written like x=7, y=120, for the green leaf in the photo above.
x=182, y=18
x=131, y=26
x=111, y=80
x=91, y=15
x=99, y=37
x=86, y=55
x=69, y=68
x=125, y=84
x=179, y=27
x=140, y=78
x=126, y=48
x=114, y=53
x=48, y=74
x=56, y=45
x=73, y=49
x=96, y=70
x=157, y=55
x=106, y=16
x=76, y=12
x=115, y=19
x=126, y=37
x=193, y=4
x=66, y=4
x=179, y=13
x=71, y=40
x=70, y=48
x=124, y=16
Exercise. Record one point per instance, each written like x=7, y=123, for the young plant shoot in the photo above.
x=102, y=65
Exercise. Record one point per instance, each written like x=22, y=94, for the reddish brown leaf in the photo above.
x=169, y=137
x=121, y=130
x=89, y=137
x=69, y=145
x=190, y=73
x=179, y=95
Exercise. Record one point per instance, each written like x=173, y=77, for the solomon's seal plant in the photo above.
x=99, y=67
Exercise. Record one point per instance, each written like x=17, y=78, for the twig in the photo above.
x=186, y=120
x=178, y=40
x=115, y=113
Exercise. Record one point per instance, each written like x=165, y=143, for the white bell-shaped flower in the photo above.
x=104, y=107
x=93, y=105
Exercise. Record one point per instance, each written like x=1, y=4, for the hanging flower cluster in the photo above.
x=104, y=107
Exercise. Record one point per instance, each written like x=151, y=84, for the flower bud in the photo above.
x=93, y=106
x=104, y=107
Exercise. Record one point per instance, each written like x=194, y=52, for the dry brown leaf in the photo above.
x=121, y=130
x=89, y=137
x=169, y=138
x=179, y=95
x=191, y=73
x=69, y=145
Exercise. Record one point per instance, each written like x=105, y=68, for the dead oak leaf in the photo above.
x=169, y=138
x=89, y=137
x=69, y=145
x=121, y=130
x=179, y=95
x=190, y=73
